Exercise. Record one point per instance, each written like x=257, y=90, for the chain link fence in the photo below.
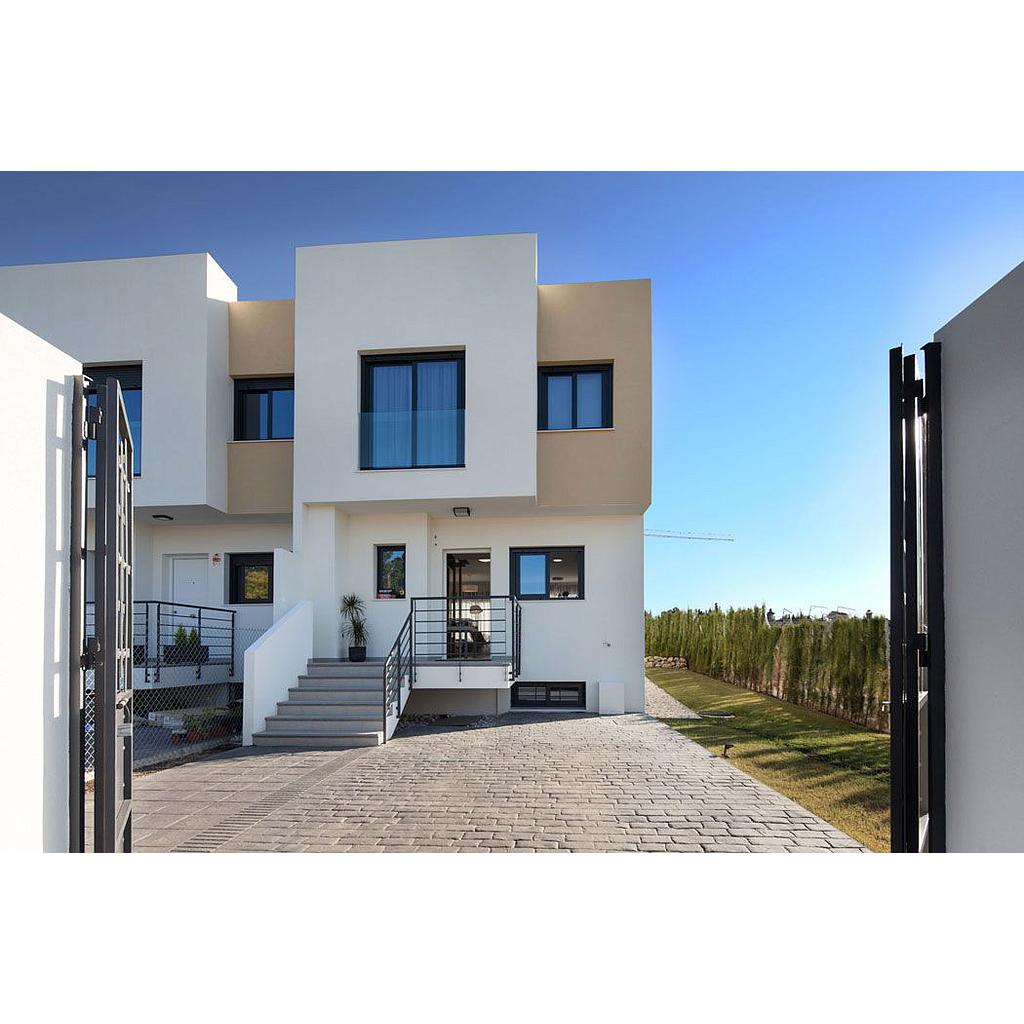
x=187, y=682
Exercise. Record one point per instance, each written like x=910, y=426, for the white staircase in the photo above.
x=337, y=704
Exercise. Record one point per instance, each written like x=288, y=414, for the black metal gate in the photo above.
x=917, y=660
x=109, y=651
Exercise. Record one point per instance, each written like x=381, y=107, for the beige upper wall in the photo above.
x=260, y=476
x=599, y=322
x=262, y=338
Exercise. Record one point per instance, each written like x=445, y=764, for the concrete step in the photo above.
x=327, y=708
x=340, y=683
x=329, y=712
x=332, y=695
x=316, y=742
x=345, y=669
x=321, y=726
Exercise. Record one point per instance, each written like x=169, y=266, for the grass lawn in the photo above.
x=837, y=770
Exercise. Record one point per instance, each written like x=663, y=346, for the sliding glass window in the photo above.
x=413, y=411
x=265, y=409
x=574, y=397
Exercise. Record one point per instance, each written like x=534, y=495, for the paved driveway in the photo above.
x=526, y=782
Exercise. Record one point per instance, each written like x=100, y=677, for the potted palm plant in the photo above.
x=353, y=612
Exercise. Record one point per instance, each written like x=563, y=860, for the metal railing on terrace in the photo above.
x=476, y=629
x=187, y=667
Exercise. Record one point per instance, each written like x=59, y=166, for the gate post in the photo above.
x=76, y=639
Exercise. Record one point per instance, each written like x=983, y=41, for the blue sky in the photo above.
x=776, y=298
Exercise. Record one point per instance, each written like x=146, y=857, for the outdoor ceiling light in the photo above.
x=555, y=559
x=461, y=511
x=483, y=559
x=163, y=518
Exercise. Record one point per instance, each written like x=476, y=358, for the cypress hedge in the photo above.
x=838, y=667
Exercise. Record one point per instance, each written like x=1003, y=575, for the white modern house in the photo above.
x=424, y=426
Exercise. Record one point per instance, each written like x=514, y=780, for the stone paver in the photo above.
x=664, y=705
x=528, y=782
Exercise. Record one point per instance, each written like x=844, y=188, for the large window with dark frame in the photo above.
x=265, y=409
x=390, y=571
x=574, y=397
x=130, y=378
x=251, y=578
x=413, y=411
x=547, y=574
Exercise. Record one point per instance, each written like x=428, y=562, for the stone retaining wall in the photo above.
x=658, y=662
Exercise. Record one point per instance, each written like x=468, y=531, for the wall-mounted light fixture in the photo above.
x=163, y=518
x=461, y=511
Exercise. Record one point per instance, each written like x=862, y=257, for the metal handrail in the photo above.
x=504, y=644
x=399, y=657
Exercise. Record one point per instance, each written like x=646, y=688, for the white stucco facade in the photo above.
x=600, y=637
x=168, y=313
x=475, y=295
x=309, y=505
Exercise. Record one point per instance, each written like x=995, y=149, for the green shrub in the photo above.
x=838, y=667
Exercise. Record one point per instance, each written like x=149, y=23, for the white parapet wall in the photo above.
x=35, y=605
x=273, y=664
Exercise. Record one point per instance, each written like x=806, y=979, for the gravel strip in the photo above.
x=663, y=705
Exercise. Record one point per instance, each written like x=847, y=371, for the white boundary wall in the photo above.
x=34, y=607
x=983, y=507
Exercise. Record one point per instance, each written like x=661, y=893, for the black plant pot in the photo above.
x=357, y=654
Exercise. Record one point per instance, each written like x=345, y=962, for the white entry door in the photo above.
x=189, y=580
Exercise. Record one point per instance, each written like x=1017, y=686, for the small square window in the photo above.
x=265, y=409
x=574, y=397
x=251, y=579
x=390, y=571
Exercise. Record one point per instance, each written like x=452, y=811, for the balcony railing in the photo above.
x=193, y=640
x=429, y=438
x=467, y=630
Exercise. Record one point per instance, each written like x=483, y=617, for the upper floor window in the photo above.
x=265, y=409
x=574, y=397
x=130, y=377
x=542, y=574
x=413, y=411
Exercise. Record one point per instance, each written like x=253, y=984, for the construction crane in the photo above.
x=682, y=535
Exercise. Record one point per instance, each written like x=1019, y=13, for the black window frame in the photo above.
x=241, y=560
x=129, y=375
x=262, y=385
x=580, y=704
x=411, y=359
x=379, y=550
x=544, y=373
x=549, y=552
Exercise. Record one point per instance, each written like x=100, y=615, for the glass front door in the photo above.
x=469, y=605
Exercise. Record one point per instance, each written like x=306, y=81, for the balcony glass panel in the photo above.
x=389, y=440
